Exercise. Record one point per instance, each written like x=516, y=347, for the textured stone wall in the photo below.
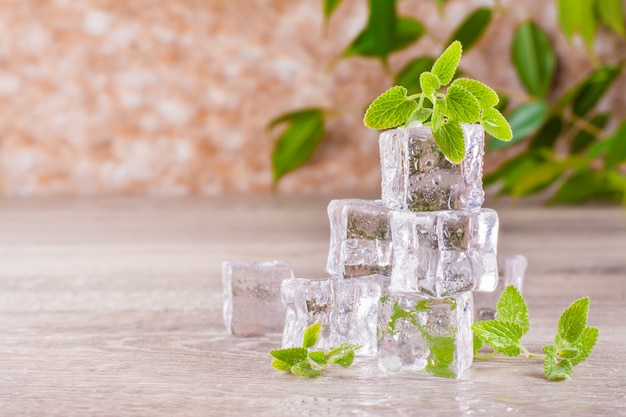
x=172, y=97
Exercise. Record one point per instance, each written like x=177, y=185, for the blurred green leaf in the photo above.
x=533, y=58
x=503, y=102
x=583, y=138
x=409, y=76
x=587, y=94
x=586, y=185
x=525, y=120
x=545, y=174
x=510, y=172
x=616, y=154
x=298, y=141
x=549, y=133
x=611, y=13
x=329, y=7
x=472, y=28
x=385, y=32
x=578, y=16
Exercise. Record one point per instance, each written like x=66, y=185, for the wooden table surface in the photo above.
x=114, y=307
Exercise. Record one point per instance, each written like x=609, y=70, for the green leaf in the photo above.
x=409, y=76
x=441, y=356
x=461, y=105
x=577, y=16
x=525, y=120
x=496, y=125
x=392, y=108
x=290, y=356
x=451, y=141
x=486, y=97
x=280, y=365
x=548, y=134
x=512, y=308
x=573, y=321
x=538, y=179
x=583, y=138
x=584, y=186
x=400, y=314
x=311, y=334
x=419, y=116
x=318, y=356
x=472, y=28
x=445, y=66
x=429, y=84
x=585, y=96
x=510, y=172
x=342, y=355
x=568, y=353
x=329, y=7
x=477, y=343
x=533, y=58
x=298, y=141
x=611, y=14
x=553, y=369
x=503, y=336
x=616, y=154
x=585, y=344
x=439, y=114
x=305, y=369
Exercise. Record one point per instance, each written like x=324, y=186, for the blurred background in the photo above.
x=140, y=97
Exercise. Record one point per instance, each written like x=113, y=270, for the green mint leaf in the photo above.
x=568, y=353
x=485, y=96
x=342, y=355
x=573, y=321
x=290, y=356
x=419, y=116
x=391, y=109
x=422, y=306
x=398, y=314
x=318, y=356
x=477, y=344
x=502, y=336
x=445, y=66
x=512, y=308
x=280, y=365
x=439, y=114
x=451, y=141
x=441, y=356
x=553, y=368
x=461, y=105
x=496, y=125
x=305, y=369
x=429, y=84
x=585, y=344
x=311, y=334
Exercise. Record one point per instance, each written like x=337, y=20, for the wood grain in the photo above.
x=113, y=307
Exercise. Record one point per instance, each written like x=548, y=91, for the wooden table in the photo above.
x=114, y=307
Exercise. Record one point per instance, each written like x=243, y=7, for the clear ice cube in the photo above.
x=444, y=252
x=360, y=239
x=423, y=334
x=417, y=176
x=252, y=304
x=511, y=269
x=347, y=309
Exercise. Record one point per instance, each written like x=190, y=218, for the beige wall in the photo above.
x=171, y=97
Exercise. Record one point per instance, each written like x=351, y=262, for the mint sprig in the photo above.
x=573, y=342
x=301, y=361
x=464, y=101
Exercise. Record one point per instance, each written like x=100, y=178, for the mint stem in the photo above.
x=528, y=355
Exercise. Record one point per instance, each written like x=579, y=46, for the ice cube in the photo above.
x=252, y=304
x=444, y=252
x=417, y=176
x=347, y=309
x=360, y=239
x=423, y=334
x=511, y=269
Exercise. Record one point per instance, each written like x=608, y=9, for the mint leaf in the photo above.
x=485, y=96
x=568, y=353
x=429, y=84
x=512, y=308
x=496, y=125
x=502, y=336
x=318, y=356
x=439, y=114
x=311, y=334
x=573, y=321
x=451, y=141
x=280, y=365
x=305, y=369
x=461, y=105
x=477, y=344
x=400, y=313
x=553, y=368
x=342, y=355
x=585, y=344
x=391, y=109
x=290, y=356
x=445, y=66
x=441, y=356
x=419, y=116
